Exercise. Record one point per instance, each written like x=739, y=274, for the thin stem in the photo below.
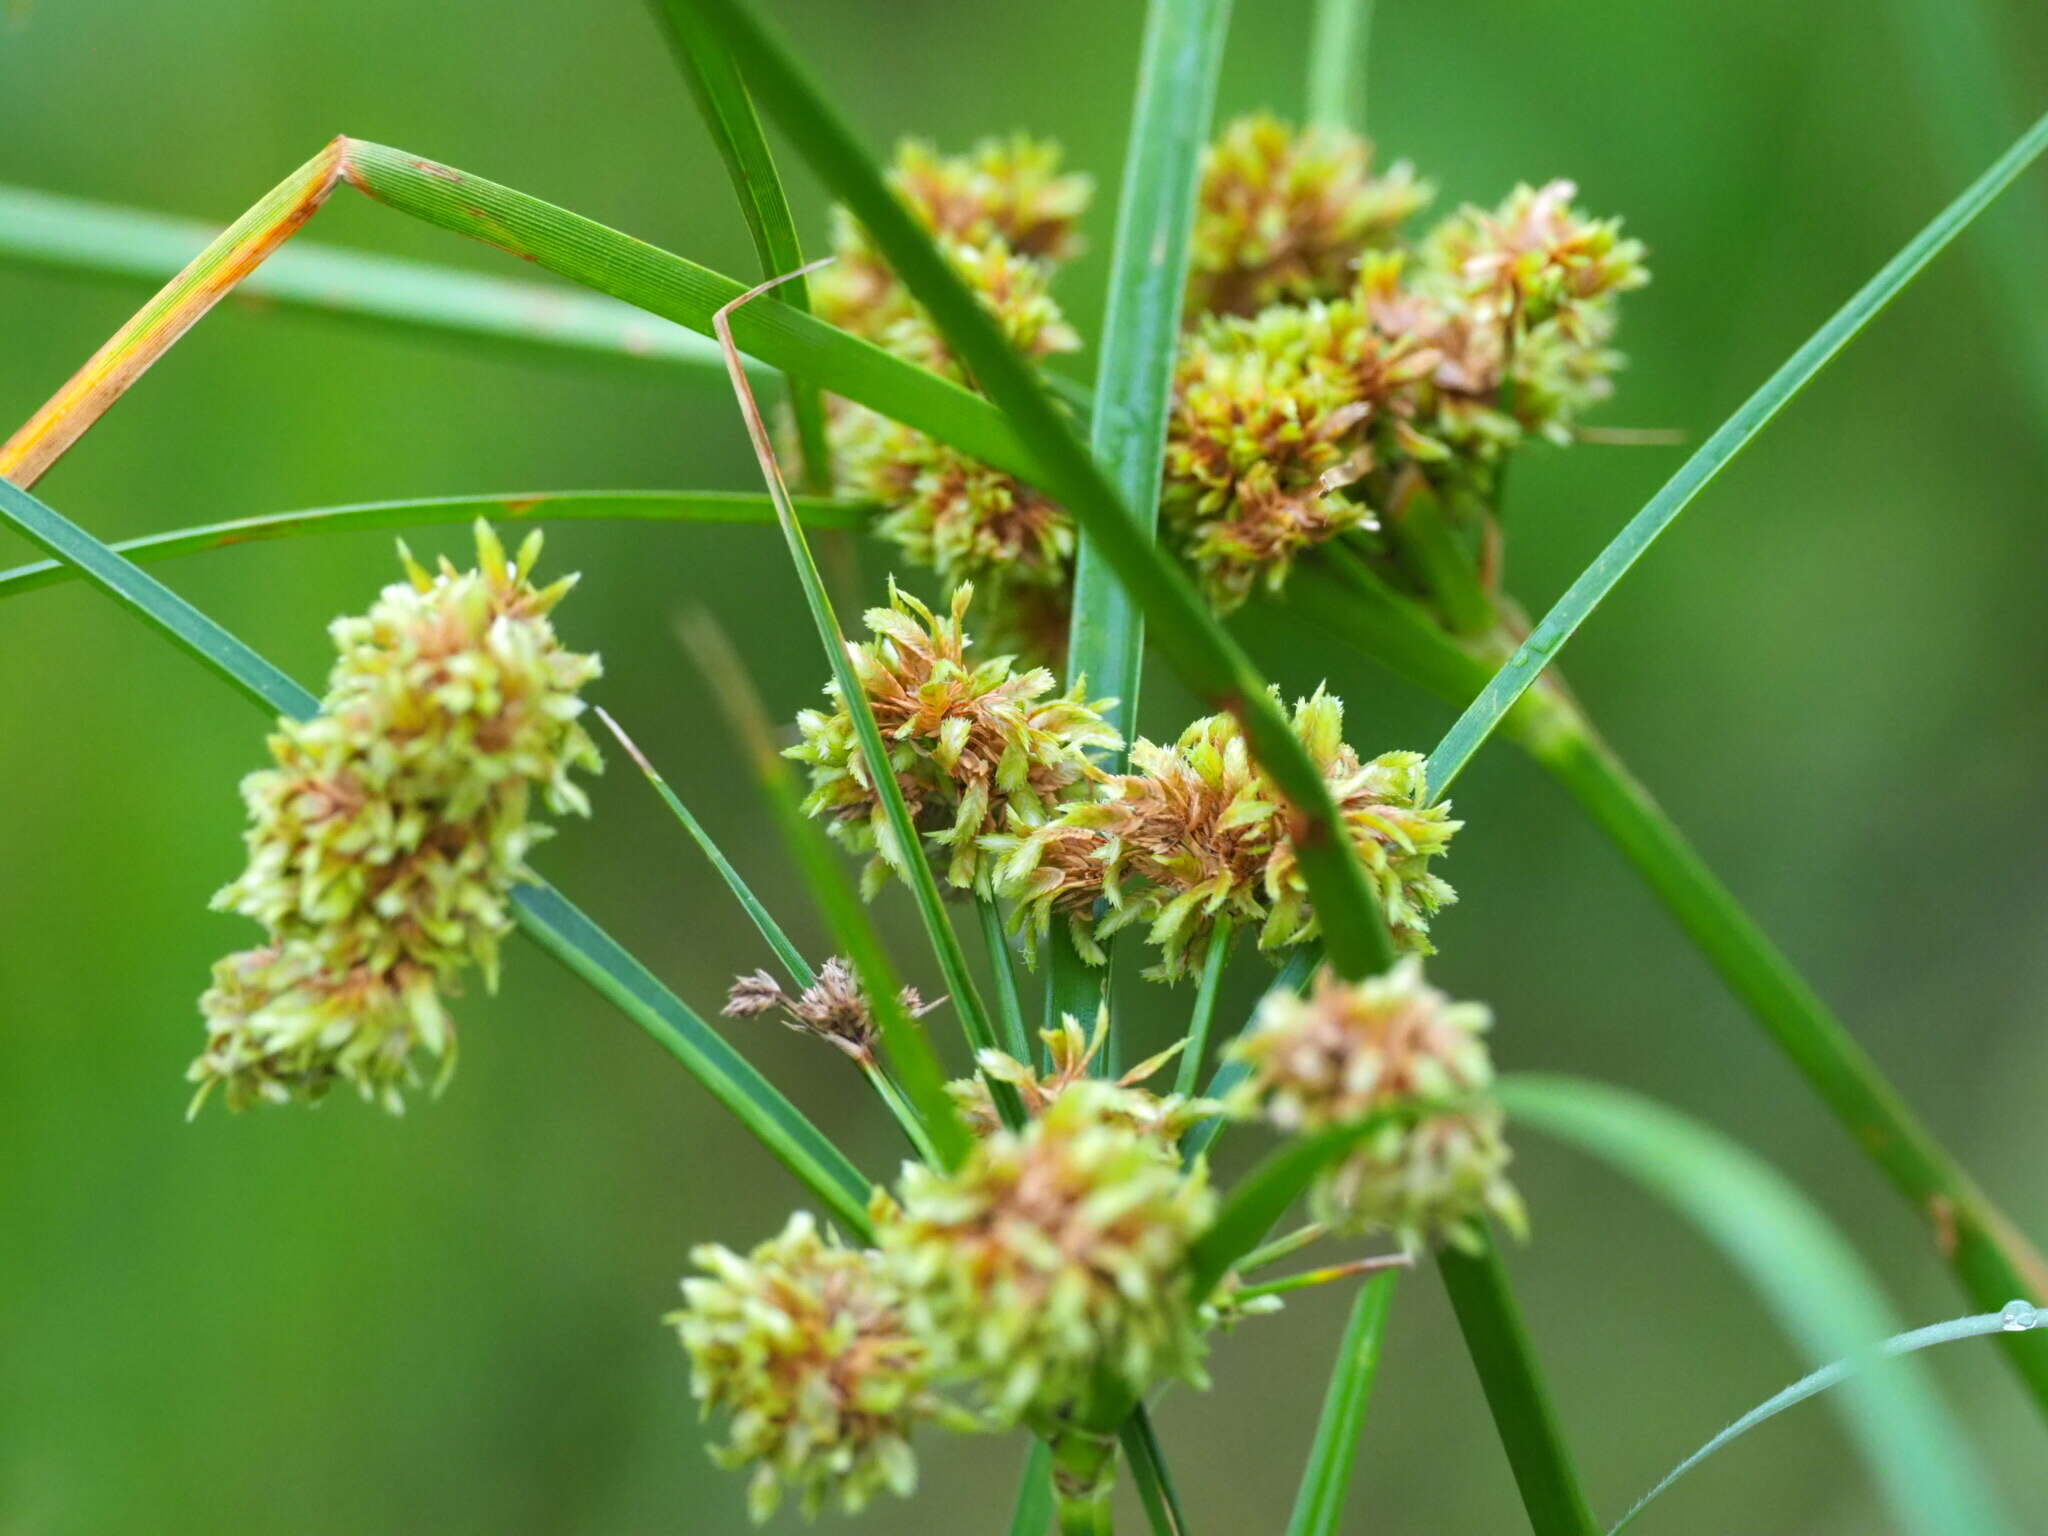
x=1326, y=1480
x=1033, y=1515
x=1282, y=1247
x=1309, y=1279
x=1150, y=1476
x=898, y=1106
x=1498, y=1343
x=1204, y=1017
x=1336, y=63
x=1009, y=1001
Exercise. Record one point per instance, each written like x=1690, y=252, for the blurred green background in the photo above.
x=1833, y=674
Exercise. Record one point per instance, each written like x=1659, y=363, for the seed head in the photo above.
x=1053, y=1251
x=386, y=839
x=974, y=743
x=833, y=1008
x=1167, y=1117
x=1197, y=832
x=1350, y=1050
x=804, y=1344
x=1285, y=215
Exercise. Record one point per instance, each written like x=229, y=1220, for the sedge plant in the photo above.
x=1311, y=387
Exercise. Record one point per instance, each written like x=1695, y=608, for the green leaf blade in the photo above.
x=1326, y=1480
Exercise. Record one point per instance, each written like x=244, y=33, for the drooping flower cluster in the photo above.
x=805, y=1344
x=832, y=1008
x=1353, y=1050
x=1004, y=215
x=1284, y=217
x=1197, y=834
x=386, y=840
x=1053, y=1251
x=976, y=745
x=1070, y=1054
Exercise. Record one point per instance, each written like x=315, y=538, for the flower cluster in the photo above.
x=1197, y=835
x=386, y=840
x=1390, y=1045
x=804, y=1341
x=975, y=744
x=1070, y=1053
x=832, y=1008
x=1284, y=216
x=1004, y=215
x=1053, y=1251
x=1050, y=1253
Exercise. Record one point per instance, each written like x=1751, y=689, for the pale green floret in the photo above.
x=389, y=834
x=1350, y=1051
x=1055, y=1252
x=975, y=744
x=1196, y=833
x=803, y=1344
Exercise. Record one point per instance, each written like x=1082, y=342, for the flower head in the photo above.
x=804, y=1344
x=974, y=743
x=1071, y=1052
x=386, y=839
x=833, y=1008
x=1352, y=1050
x=1052, y=1251
x=1197, y=833
x=1285, y=215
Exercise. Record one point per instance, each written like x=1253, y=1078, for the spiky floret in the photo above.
x=1352, y=1050
x=975, y=744
x=1008, y=192
x=1052, y=1252
x=946, y=510
x=1284, y=215
x=1197, y=832
x=388, y=835
x=1273, y=417
x=803, y=1342
x=832, y=1008
x=1070, y=1053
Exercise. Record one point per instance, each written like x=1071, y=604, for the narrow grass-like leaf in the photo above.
x=824, y=872
x=1179, y=61
x=1992, y=1259
x=792, y=958
x=1336, y=63
x=543, y=912
x=513, y=507
x=1203, y=1019
x=1584, y=595
x=1149, y=1474
x=914, y=867
x=1034, y=1511
x=1319, y=1501
x=2016, y=1317
x=68, y=234
x=1003, y=966
x=1806, y=1274
x=728, y=113
x=1498, y=1342
x=565, y=243
x=1212, y=664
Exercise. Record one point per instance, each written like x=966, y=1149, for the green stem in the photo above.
x=1084, y=1479
x=1204, y=1019
x=1034, y=1510
x=1282, y=1247
x=1016, y=1040
x=1522, y=1414
x=1149, y=1475
x=1336, y=63
x=1319, y=1504
x=906, y=1117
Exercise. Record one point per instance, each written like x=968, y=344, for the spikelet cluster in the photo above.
x=833, y=1008
x=389, y=833
x=1284, y=217
x=975, y=744
x=1004, y=216
x=804, y=1343
x=1352, y=1050
x=1053, y=1251
x=1197, y=833
x=1070, y=1053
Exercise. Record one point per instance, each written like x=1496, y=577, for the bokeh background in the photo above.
x=1835, y=673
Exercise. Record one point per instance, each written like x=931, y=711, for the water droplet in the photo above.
x=2020, y=1316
